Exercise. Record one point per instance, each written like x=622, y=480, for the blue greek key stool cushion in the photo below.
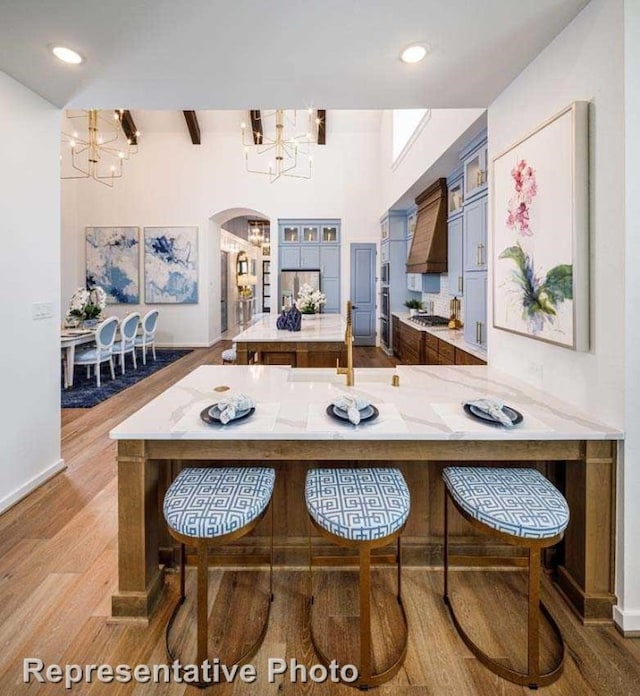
x=521, y=502
x=207, y=503
x=229, y=355
x=358, y=504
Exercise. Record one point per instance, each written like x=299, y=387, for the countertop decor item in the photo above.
x=86, y=305
x=294, y=319
x=309, y=300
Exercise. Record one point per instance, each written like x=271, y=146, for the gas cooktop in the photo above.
x=429, y=320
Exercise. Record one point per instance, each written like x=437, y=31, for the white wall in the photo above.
x=29, y=273
x=627, y=614
x=444, y=132
x=172, y=182
x=585, y=62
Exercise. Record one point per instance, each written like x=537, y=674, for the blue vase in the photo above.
x=294, y=319
x=281, y=321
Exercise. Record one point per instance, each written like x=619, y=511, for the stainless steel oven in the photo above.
x=384, y=332
x=384, y=274
x=384, y=303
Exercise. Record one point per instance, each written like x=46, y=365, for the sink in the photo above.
x=322, y=375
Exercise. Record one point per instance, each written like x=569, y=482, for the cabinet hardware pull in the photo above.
x=460, y=284
x=478, y=332
x=477, y=254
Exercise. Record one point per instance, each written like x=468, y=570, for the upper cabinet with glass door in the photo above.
x=330, y=234
x=310, y=234
x=290, y=234
x=475, y=167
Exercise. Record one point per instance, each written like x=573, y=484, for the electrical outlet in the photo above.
x=42, y=310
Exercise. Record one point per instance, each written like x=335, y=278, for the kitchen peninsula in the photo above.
x=319, y=343
x=421, y=426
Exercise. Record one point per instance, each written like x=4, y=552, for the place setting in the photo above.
x=485, y=414
x=350, y=412
x=232, y=412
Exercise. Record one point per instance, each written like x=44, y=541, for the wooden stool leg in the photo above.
x=446, y=547
x=365, y=615
x=202, y=603
x=534, y=617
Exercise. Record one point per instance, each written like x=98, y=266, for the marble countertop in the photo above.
x=291, y=404
x=316, y=327
x=453, y=336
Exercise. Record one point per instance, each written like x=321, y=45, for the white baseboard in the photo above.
x=628, y=622
x=24, y=490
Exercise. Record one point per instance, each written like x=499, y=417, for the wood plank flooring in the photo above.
x=58, y=569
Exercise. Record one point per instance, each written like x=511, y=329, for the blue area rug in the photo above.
x=85, y=394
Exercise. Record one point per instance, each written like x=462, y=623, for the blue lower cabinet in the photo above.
x=475, y=309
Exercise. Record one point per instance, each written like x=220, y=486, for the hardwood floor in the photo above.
x=58, y=569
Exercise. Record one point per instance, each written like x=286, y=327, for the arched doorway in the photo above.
x=233, y=302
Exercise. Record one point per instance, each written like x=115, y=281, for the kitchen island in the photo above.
x=421, y=427
x=319, y=343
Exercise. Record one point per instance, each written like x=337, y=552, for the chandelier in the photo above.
x=97, y=148
x=275, y=137
x=257, y=235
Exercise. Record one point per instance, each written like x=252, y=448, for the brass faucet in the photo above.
x=348, y=339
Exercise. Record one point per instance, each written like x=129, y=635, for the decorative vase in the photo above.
x=90, y=323
x=294, y=319
x=309, y=315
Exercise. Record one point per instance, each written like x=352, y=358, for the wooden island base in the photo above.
x=296, y=354
x=583, y=470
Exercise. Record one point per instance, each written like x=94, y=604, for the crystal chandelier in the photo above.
x=256, y=234
x=97, y=148
x=275, y=137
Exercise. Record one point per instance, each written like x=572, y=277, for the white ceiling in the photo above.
x=239, y=54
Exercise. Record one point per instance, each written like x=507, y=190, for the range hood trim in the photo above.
x=429, y=253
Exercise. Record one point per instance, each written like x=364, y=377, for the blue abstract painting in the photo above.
x=171, y=265
x=113, y=262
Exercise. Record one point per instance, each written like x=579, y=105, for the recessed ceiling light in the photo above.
x=66, y=55
x=414, y=53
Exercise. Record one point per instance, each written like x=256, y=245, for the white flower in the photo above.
x=309, y=300
x=86, y=304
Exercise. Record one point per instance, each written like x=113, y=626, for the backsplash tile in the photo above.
x=441, y=300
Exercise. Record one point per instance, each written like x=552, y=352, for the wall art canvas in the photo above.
x=541, y=232
x=113, y=262
x=171, y=265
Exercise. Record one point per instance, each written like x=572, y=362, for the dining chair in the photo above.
x=103, y=349
x=127, y=342
x=148, y=338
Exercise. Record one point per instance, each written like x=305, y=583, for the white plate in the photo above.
x=365, y=412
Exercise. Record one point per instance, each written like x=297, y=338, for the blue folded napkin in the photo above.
x=493, y=408
x=233, y=406
x=352, y=405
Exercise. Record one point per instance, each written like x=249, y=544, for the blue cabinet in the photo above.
x=455, y=252
x=313, y=244
x=475, y=310
x=475, y=235
x=475, y=166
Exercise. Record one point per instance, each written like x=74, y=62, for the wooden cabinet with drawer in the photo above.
x=464, y=358
x=410, y=349
x=395, y=336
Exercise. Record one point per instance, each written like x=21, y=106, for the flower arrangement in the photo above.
x=524, y=179
x=309, y=300
x=86, y=304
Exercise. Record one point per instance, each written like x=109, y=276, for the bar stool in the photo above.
x=206, y=507
x=230, y=355
x=522, y=508
x=361, y=509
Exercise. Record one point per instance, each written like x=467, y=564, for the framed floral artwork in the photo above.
x=541, y=232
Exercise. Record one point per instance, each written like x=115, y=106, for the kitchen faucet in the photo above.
x=348, y=339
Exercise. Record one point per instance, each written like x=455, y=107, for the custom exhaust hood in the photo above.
x=429, y=245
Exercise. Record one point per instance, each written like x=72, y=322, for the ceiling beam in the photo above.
x=193, y=126
x=322, y=127
x=129, y=127
x=256, y=126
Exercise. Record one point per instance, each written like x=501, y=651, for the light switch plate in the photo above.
x=42, y=310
